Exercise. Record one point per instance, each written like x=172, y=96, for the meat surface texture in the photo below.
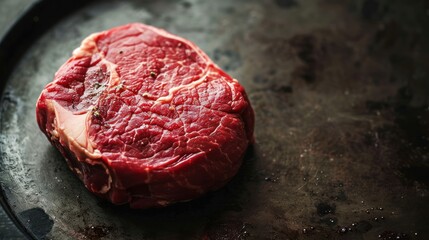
x=145, y=117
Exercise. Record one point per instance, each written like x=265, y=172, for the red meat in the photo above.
x=145, y=117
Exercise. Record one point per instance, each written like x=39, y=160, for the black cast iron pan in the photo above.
x=340, y=90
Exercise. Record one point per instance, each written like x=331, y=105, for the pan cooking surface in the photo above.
x=340, y=91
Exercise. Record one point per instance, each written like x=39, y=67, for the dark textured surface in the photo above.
x=340, y=90
x=10, y=10
x=37, y=221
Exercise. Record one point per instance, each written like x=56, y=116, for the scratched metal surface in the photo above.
x=341, y=95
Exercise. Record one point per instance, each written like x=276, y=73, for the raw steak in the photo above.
x=145, y=117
